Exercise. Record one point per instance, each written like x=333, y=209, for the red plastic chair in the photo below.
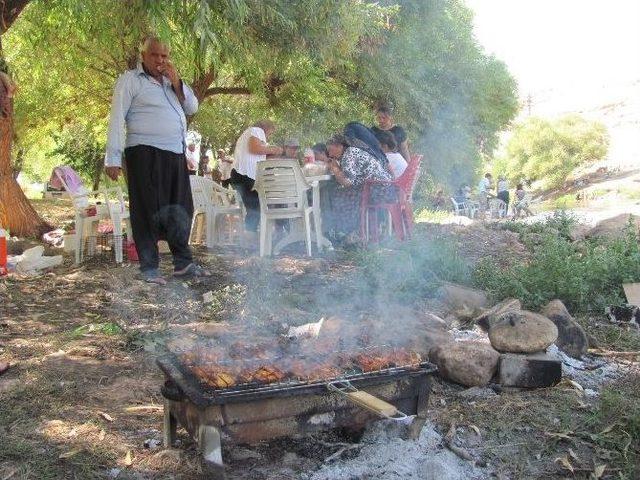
x=401, y=212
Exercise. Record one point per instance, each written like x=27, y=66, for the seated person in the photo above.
x=251, y=148
x=362, y=137
x=521, y=204
x=291, y=148
x=320, y=152
x=397, y=163
x=352, y=166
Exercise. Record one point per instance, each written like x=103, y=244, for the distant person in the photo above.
x=205, y=169
x=397, y=163
x=193, y=161
x=291, y=148
x=502, y=190
x=320, y=152
x=484, y=192
x=251, y=148
x=521, y=204
x=384, y=117
x=148, y=125
x=225, y=165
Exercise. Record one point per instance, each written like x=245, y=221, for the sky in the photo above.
x=562, y=44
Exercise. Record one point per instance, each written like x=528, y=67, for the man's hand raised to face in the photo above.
x=169, y=71
x=113, y=172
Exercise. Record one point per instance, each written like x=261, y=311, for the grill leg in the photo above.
x=170, y=426
x=210, y=443
x=424, y=387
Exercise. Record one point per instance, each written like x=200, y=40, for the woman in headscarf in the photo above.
x=352, y=166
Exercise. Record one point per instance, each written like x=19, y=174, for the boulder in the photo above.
x=572, y=339
x=579, y=232
x=468, y=363
x=614, y=226
x=522, y=332
x=489, y=317
x=459, y=298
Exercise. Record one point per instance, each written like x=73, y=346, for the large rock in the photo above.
x=522, y=332
x=468, y=363
x=489, y=317
x=614, y=227
x=572, y=339
x=459, y=298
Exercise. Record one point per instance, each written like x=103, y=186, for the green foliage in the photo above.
x=82, y=148
x=452, y=98
x=410, y=272
x=586, y=276
x=549, y=150
x=311, y=65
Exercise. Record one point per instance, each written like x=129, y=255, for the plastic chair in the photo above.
x=88, y=215
x=214, y=202
x=282, y=191
x=401, y=212
x=497, y=208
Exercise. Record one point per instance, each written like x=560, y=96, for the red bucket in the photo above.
x=130, y=248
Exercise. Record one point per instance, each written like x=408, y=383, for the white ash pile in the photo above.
x=386, y=456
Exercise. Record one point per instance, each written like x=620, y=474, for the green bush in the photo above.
x=410, y=272
x=587, y=276
x=549, y=150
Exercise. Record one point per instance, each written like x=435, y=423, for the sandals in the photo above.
x=192, y=270
x=152, y=276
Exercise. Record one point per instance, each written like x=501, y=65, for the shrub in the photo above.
x=549, y=150
x=587, y=276
x=409, y=273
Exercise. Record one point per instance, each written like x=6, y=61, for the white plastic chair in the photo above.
x=468, y=209
x=214, y=202
x=498, y=208
x=282, y=191
x=113, y=208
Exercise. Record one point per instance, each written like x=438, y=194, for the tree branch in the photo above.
x=9, y=11
x=227, y=91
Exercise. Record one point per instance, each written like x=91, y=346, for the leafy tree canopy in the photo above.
x=311, y=65
x=550, y=150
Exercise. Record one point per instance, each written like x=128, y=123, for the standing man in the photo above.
x=484, y=192
x=152, y=102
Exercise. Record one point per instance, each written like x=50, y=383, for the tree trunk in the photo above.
x=16, y=213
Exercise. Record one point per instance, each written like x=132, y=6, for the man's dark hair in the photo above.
x=387, y=138
x=385, y=107
x=320, y=148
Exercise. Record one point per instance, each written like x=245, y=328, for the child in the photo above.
x=522, y=202
x=397, y=163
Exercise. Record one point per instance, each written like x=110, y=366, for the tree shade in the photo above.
x=311, y=65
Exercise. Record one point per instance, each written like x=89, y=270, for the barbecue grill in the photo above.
x=250, y=412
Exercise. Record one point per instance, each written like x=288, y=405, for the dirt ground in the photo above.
x=82, y=400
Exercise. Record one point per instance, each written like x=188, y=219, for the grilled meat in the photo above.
x=214, y=376
x=267, y=374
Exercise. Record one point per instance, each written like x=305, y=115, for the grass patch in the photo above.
x=409, y=272
x=630, y=193
x=108, y=328
x=427, y=215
